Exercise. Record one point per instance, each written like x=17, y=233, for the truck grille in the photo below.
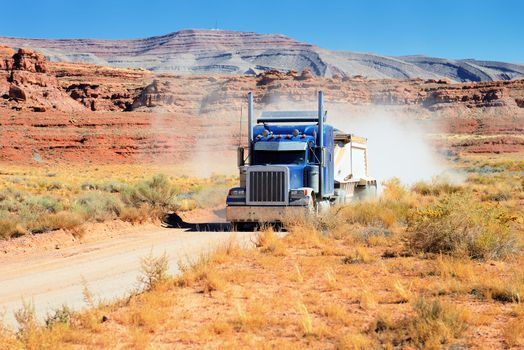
x=267, y=185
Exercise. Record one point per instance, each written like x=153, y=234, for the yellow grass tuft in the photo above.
x=330, y=279
x=269, y=243
x=305, y=320
x=202, y=272
x=359, y=256
x=367, y=300
x=404, y=293
x=354, y=341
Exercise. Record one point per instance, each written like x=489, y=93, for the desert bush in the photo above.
x=305, y=320
x=157, y=192
x=436, y=188
x=505, y=290
x=27, y=204
x=481, y=179
x=359, y=256
x=498, y=193
x=367, y=234
x=10, y=228
x=154, y=270
x=61, y=315
x=138, y=215
x=113, y=186
x=379, y=213
x=394, y=190
x=26, y=319
x=432, y=325
x=86, y=186
x=514, y=331
x=98, y=206
x=303, y=232
x=63, y=220
x=355, y=341
x=391, y=208
x=54, y=185
x=448, y=267
x=460, y=226
x=269, y=243
x=200, y=271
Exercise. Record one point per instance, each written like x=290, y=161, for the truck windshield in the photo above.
x=279, y=157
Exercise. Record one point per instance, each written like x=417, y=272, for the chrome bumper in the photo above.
x=263, y=214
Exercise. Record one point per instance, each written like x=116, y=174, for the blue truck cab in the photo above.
x=290, y=166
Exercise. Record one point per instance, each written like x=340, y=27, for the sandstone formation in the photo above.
x=57, y=111
x=227, y=52
x=25, y=84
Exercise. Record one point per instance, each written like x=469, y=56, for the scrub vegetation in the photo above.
x=39, y=200
x=428, y=266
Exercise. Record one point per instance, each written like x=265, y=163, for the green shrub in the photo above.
x=15, y=201
x=157, y=192
x=61, y=315
x=44, y=204
x=113, y=187
x=98, y=206
x=461, y=226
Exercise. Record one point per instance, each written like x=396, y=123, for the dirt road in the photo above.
x=110, y=268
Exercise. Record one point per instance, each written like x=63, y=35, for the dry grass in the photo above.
x=154, y=270
x=344, y=281
x=201, y=273
x=432, y=325
x=305, y=320
x=269, y=243
x=508, y=289
x=360, y=255
x=460, y=226
x=40, y=199
x=514, y=330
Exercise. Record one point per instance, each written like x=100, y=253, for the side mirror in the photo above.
x=240, y=156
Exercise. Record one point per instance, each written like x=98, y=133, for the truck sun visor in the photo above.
x=280, y=146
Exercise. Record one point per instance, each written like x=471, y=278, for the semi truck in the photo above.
x=295, y=164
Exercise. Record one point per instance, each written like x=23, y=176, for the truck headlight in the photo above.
x=297, y=194
x=237, y=192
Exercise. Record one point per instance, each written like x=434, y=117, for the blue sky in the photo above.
x=479, y=29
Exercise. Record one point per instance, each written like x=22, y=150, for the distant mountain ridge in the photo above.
x=228, y=52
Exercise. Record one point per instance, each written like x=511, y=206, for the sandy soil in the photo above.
x=52, y=270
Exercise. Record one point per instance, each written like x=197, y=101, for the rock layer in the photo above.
x=228, y=52
x=56, y=111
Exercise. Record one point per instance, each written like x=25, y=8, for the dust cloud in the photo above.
x=398, y=138
x=398, y=143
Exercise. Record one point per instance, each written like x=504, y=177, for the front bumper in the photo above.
x=261, y=214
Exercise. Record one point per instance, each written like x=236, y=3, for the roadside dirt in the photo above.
x=50, y=270
x=96, y=232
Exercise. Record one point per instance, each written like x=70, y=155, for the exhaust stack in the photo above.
x=321, y=142
x=249, y=123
